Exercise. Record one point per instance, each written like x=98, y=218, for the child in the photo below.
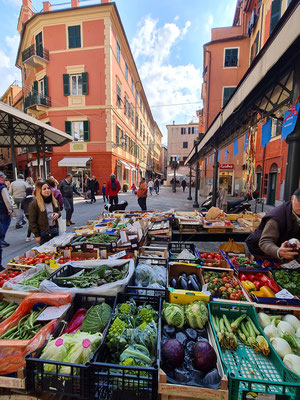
x=105, y=198
x=133, y=188
x=25, y=206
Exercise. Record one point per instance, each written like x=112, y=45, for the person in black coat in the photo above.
x=93, y=186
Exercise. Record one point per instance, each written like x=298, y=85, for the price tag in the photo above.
x=291, y=265
x=123, y=237
x=90, y=246
x=284, y=294
x=53, y=312
x=117, y=255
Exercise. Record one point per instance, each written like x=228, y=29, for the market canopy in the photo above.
x=74, y=161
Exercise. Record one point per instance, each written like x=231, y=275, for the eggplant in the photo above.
x=195, y=277
x=183, y=283
x=183, y=275
x=173, y=283
x=194, y=284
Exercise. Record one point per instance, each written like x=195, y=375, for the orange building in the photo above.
x=79, y=76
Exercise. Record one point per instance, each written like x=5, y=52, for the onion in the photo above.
x=281, y=346
x=264, y=319
x=205, y=358
x=285, y=328
x=292, y=320
x=292, y=362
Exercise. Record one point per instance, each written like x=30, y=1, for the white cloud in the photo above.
x=165, y=84
x=209, y=22
x=176, y=18
x=8, y=71
x=4, y=60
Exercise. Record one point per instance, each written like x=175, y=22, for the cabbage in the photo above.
x=96, y=318
x=172, y=353
x=205, y=358
x=196, y=314
x=173, y=314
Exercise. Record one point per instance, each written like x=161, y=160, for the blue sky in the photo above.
x=166, y=38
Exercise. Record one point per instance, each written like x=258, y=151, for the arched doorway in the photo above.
x=272, y=186
x=258, y=179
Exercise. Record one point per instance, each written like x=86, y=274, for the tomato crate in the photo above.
x=114, y=381
x=75, y=384
x=249, y=371
x=175, y=248
x=132, y=288
x=213, y=259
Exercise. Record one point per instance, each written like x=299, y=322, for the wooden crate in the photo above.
x=169, y=391
x=17, y=382
x=12, y=295
x=145, y=251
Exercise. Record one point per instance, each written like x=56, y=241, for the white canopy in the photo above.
x=74, y=162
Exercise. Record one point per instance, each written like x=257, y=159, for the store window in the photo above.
x=276, y=127
x=74, y=36
x=231, y=57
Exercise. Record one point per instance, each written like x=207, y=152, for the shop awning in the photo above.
x=34, y=163
x=74, y=161
x=132, y=167
x=125, y=164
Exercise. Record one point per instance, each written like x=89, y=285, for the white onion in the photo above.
x=264, y=319
x=292, y=320
x=292, y=362
x=281, y=346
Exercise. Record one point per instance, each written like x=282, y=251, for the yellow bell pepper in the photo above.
x=248, y=285
x=267, y=291
x=258, y=293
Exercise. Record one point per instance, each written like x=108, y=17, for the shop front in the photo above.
x=226, y=178
x=78, y=167
x=34, y=170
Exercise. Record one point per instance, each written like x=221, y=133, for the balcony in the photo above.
x=35, y=57
x=37, y=102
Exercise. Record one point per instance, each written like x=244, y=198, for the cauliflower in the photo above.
x=196, y=314
x=173, y=314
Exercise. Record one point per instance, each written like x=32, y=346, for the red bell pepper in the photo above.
x=76, y=321
x=243, y=277
x=251, y=277
x=270, y=283
x=258, y=284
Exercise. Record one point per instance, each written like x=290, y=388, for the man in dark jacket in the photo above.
x=6, y=210
x=93, y=186
x=67, y=189
x=276, y=228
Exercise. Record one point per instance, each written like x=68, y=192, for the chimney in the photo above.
x=47, y=6
x=74, y=3
x=105, y=1
x=25, y=14
x=173, y=122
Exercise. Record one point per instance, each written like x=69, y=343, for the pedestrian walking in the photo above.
x=93, y=187
x=29, y=182
x=43, y=214
x=18, y=191
x=183, y=184
x=133, y=188
x=6, y=209
x=156, y=185
x=142, y=194
x=25, y=207
x=67, y=189
x=105, y=198
x=86, y=181
x=56, y=192
x=112, y=189
x=150, y=186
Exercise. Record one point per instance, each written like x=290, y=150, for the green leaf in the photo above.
x=96, y=318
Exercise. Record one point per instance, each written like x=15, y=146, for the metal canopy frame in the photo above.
x=18, y=129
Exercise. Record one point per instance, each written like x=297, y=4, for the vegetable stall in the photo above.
x=119, y=309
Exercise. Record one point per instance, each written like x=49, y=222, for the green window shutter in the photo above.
x=227, y=93
x=118, y=135
x=256, y=43
x=275, y=14
x=74, y=36
x=68, y=127
x=66, y=83
x=85, y=83
x=49, y=123
x=35, y=88
x=86, y=131
x=46, y=86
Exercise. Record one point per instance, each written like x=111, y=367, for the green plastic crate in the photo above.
x=249, y=371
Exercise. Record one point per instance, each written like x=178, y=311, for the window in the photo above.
x=141, y=128
x=275, y=14
x=227, y=92
x=9, y=100
x=196, y=131
x=41, y=86
x=76, y=84
x=74, y=36
x=183, y=131
x=132, y=113
x=231, y=57
x=251, y=54
x=126, y=71
x=118, y=52
x=184, y=158
x=118, y=94
x=181, y=163
x=126, y=142
x=185, y=145
x=136, y=96
x=132, y=85
x=137, y=122
x=39, y=44
x=276, y=127
x=79, y=130
x=118, y=134
x=189, y=130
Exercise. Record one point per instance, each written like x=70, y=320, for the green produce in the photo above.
x=95, y=277
x=36, y=279
x=7, y=309
x=289, y=281
x=96, y=318
x=26, y=328
x=138, y=353
x=146, y=314
x=103, y=238
x=196, y=314
x=173, y=314
x=125, y=310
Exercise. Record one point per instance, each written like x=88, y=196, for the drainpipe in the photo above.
x=196, y=204
x=208, y=86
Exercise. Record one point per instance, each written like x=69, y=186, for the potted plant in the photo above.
x=125, y=187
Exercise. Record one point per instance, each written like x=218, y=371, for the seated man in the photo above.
x=276, y=228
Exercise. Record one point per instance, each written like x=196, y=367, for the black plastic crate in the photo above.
x=177, y=247
x=131, y=288
x=77, y=383
x=110, y=381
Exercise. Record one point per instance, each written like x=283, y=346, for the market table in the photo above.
x=203, y=236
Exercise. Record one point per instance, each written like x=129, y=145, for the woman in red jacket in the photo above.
x=112, y=189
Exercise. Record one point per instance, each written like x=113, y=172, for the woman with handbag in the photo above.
x=43, y=214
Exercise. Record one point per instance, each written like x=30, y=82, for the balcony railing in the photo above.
x=35, y=51
x=37, y=100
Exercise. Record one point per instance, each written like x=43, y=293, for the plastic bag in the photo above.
x=13, y=352
x=61, y=226
x=110, y=289
x=15, y=283
x=150, y=275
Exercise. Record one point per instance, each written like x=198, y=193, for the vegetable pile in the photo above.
x=211, y=259
x=284, y=334
x=186, y=282
x=94, y=277
x=27, y=327
x=185, y=254
x=289, y=281
x=103, y=238
x=41, y=258
x=259, y=284
x=36, y=279
x=243, y=262
x=7, y=309
x=224, y=286
x=8, y=274
x=64, y=260
x=132, y=336
x=243, y=328
x=187, y=356
x=150, y=275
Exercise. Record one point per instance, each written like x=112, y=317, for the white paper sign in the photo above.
x=284, y=294
x=117, y=255
x=53, y=312
x=123, y=236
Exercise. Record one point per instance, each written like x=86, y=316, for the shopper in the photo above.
x=156, y=185
x=142, y=194
x=183, y=184
x=150, y=186
x=93, y=187
x=18, y=192
x=6, y=209
x=67, y=189
x=43, y=214
x=25, y=207
x=56, y=192
x=29, y=182
x=112, y=189
x=103, y=192
x=133, y=188
x=276, y=228
x=86, y=181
